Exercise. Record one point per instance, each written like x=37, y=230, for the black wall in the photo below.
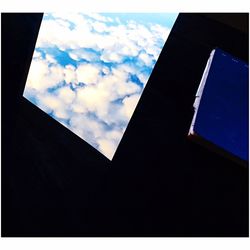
x=158, y=184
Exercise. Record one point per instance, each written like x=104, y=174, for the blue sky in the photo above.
x=89, y=70
x=164, y=19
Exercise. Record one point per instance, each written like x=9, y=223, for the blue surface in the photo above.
x=222, y=116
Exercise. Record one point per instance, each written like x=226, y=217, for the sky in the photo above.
x=88, y=71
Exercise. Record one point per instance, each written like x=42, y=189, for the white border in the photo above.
x=125, y=6
x=125, y=243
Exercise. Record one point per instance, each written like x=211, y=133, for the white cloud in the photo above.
x=98, y=98
x=161, y=31
x=50, y=59
x=61, y=113
x=83, y=54
x=53, y=33
x=120, y=40
x=94, y=99
x=99, y=27
x=42, y=77
x=117, y=85
x=143, y=78
x=109, y=56
x=88, y=129
x=87, y=73
x=154, y=51
x=114, y=135
x=146, y=59
x=109, y=96
x=99, y=17
x=37, y=55
x=129, y=105
x=66, y=95
x=37, y=71
x=50, y=103
x=109, y=142
x=107, y=147
x=105, y=70
x=117, y=19
x=130, y=49
x=70, y=74
x=76, y=18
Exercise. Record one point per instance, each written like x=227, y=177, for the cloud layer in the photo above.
x=89, y=70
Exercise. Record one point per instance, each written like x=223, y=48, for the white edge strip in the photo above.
x=200, y=91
